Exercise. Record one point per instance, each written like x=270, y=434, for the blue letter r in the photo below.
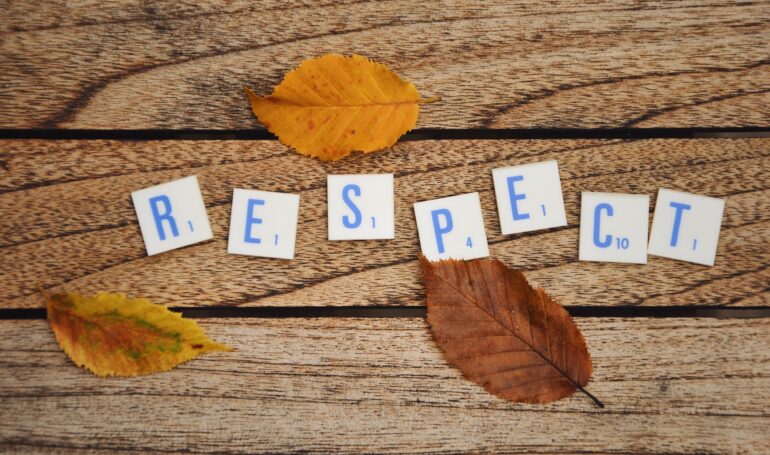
x=166, y=215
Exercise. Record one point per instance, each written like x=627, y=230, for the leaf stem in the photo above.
x=591, y=396
x=430, y=100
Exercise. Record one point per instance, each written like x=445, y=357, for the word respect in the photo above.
x=613, y=226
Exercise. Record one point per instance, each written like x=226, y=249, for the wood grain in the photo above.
x=519, y=64
x=381, y=385
x=67, y=222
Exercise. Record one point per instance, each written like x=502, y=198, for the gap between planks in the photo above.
x=386, y=312
x=417, y=134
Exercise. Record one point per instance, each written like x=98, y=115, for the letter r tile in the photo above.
x=171, y=215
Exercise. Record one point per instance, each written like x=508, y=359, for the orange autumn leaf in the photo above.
x=112, y=335
x=503, y=334
x=333, y=105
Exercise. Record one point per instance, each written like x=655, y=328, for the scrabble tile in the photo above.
x=361, y=207
x=452, y=227
x=263, y=223
x=613, y=227
x=171, y=215
x=529, y=197
x=686, y=227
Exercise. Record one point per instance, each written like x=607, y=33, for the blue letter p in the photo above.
x=441, y=230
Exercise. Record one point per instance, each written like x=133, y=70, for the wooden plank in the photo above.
x=381, y=385
x=66, y=221
x=519, y=64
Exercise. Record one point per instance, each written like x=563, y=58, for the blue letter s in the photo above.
x=356, y=212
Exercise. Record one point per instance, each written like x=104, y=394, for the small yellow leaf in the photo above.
x=333, y=105
x=112, y=335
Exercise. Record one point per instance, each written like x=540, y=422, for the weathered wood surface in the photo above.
x=67, y=222
x=520, y=64
x=381, y=385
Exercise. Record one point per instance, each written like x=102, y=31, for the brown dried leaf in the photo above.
x=502, y=333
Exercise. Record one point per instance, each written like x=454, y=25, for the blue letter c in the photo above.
x=597, y=222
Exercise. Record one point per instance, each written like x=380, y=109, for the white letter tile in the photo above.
x=613, y=227
x=171, y=215
x=361, y=207
x=686, y=226
x=529, y=197
x=452, y=227
x=263, y=224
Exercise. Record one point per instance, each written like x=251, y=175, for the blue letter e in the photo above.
x=166, y=215
x=438, y=229
x=516, y=197
x=252, y=220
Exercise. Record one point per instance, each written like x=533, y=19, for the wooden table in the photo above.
x=333, y=353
